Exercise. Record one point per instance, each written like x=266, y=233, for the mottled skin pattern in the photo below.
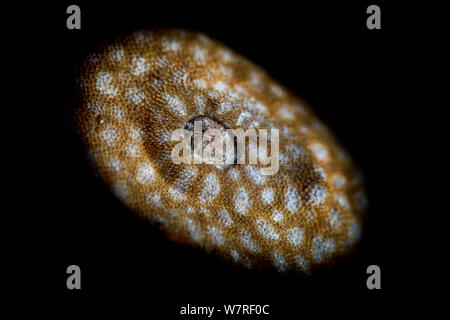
x=134, y=92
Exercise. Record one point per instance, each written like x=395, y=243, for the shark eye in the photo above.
x=217, y=130
x=206, y=123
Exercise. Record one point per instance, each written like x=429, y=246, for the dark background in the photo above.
x=321, y=51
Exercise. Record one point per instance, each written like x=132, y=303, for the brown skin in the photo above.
x=137, y=90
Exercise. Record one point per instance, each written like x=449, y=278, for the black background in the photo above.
x=321, y=51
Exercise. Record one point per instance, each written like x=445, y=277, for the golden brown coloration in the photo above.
x=136, y=91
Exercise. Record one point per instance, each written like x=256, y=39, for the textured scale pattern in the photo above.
x=134, y=92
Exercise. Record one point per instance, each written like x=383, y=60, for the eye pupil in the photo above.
x=208, y=123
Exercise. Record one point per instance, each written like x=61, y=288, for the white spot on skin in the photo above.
x=224, y=218
x=110, y=136
x=243, y=116
x=103, y=83
x=180, y=76
x=115, y=164
x=211, y=188
x=118, y=113
x=216, y=235
x=321, y=172
x=136, y=133
x=319, y=151
x=247, y=241
x=266, y=230
x=175, y=104
x=142, y=38
x=318, y=195
x=145, y=174
x=220, y=86
x=292, y=199
x=132, y=150
x=279, y=262
x=258, y=107
x=200, y=103
x=319, y=125
x=309, y=216
x=321, y=248
x=184, y=179
x=302, y=264
x=285, y=113
x=136, y=95
x=296, y=151
x=342, y=200
x=200, y=83
x=154, y=200
x=189, y=210
x=277, y=216
x=242, y=202
x=224, y=107
x=304, y=130
x=295, y=236
x=283, y=158
x=334, y=218
x=117, y=54
x=339, y=181
x=226, y=55
x=164, y=137
x=233, y=173
x=162, y=62
x=267, y=195
x=171, y=45
x=255, y=80
x=140, y=66
x=177, y=194
x=277, y=90
x=121, y=191
x=227, y=72
x=173, y=213
x=235, y=255
x=199, y=54
x=241, y=90
x=193, y=230
x=256, y=175
x=287, y=132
